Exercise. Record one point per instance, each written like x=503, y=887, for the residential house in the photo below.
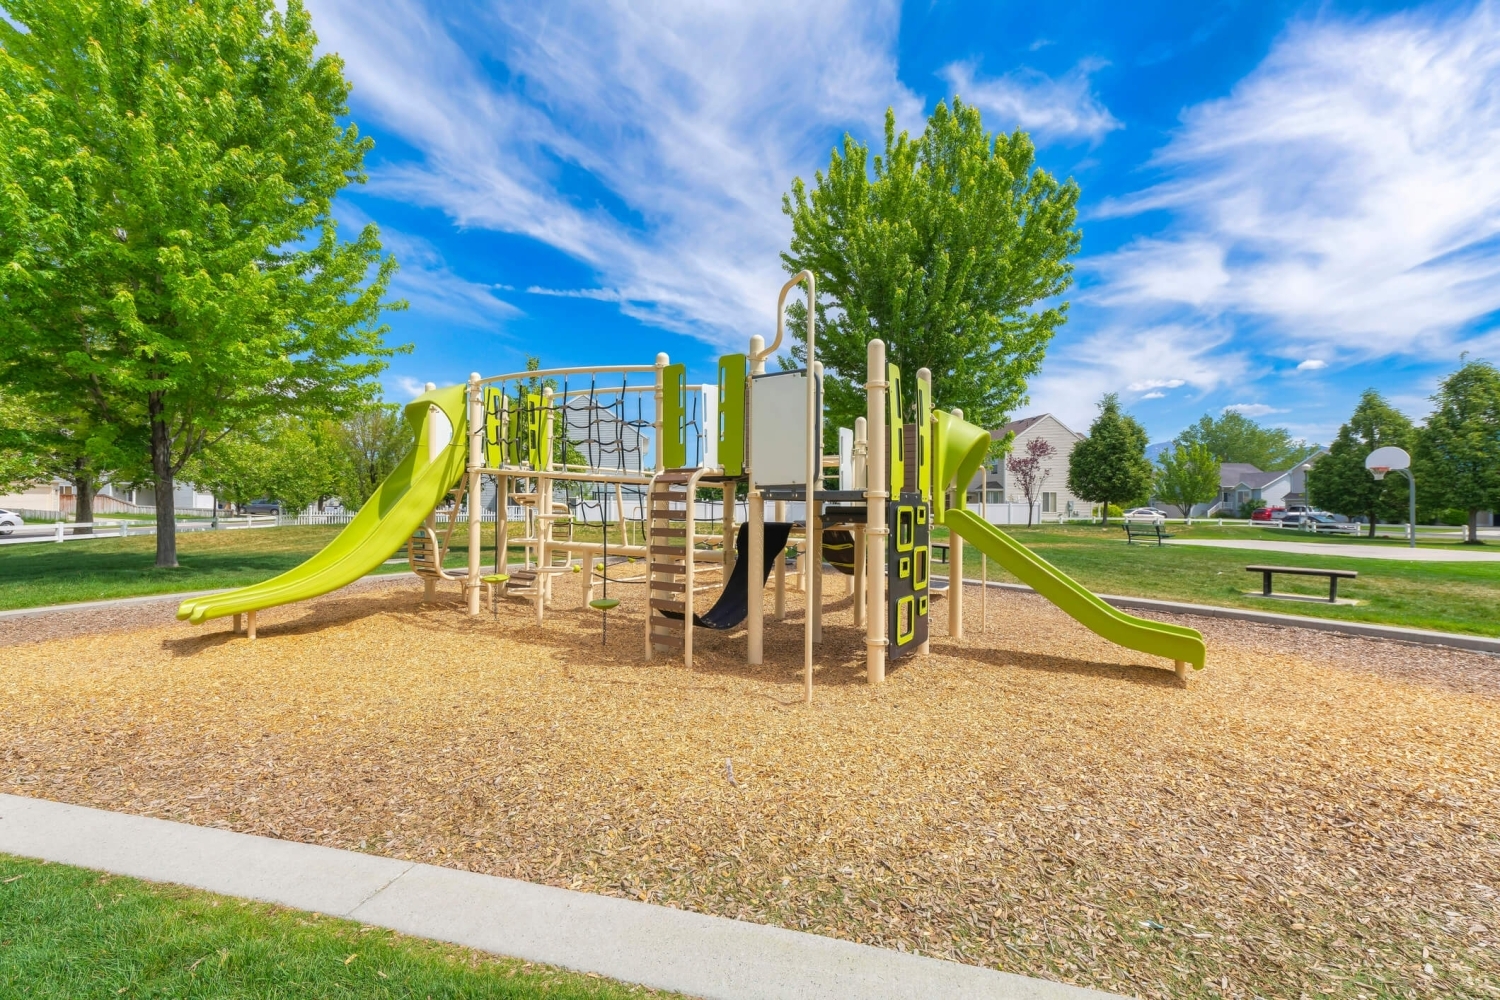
x=1054, y=500
x=1241, y=484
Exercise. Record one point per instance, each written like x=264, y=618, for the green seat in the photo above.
x=604, y=604
x=491, y=582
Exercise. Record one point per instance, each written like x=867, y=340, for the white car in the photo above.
x=1145, y=514
x=9, y=521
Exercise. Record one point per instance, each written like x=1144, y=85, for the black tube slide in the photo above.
x=734, y=603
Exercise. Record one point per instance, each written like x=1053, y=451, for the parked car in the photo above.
x=1145, y=514
x=262, y=507
x=9, y=521
x=1267, y=514
x=1327, y=524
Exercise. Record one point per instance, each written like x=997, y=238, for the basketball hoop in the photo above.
x=1379, y=471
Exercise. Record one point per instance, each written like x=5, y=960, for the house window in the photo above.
x=995, y=496
x=1049, y=503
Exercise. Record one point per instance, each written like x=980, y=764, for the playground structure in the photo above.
x=563, y=445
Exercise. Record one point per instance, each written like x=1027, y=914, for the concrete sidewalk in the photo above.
x=635, y=942
x=1345, y=550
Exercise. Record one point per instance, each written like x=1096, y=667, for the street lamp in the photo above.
x=1393, y=459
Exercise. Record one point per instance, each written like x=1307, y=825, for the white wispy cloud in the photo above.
x=1203, y=359
x=1345, y=196
x=424, y=279
x=409, y=387
x=1312, y=365
x=1155, y=395
x=1157, y=383
x=652, y=142
x=1252, y=409
x=1052, y=110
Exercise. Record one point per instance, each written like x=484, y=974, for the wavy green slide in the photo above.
x=960, y=449
x=398, y=507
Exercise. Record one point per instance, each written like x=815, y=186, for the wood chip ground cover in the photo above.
x=1312, y=815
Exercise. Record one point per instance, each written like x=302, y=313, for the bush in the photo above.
x=1115, y=511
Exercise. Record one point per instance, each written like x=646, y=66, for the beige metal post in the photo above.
x=779, y=570
x=476, y=507
x=877, y=492
x=661, y=362
x=924, y=375
x=956, y=565
x=861, y=449
x=755, y=556
x=814, y=521
x=726, y=523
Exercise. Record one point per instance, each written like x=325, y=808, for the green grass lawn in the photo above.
x=1451, y=597
x=42, y=573
x=71, y=934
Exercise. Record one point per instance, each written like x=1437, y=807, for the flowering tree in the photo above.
x=1029, y=473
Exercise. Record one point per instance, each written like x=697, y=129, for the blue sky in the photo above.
x=1282, y=203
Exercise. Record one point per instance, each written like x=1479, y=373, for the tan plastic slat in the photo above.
x=669, y=586
x=661, y=604
x=670, y=641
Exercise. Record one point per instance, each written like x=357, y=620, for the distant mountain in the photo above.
x=1152, y=450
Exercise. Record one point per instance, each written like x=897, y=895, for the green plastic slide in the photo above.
x=397, y=509
x=1175, y=642
x=961, y=448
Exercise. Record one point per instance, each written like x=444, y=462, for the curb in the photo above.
x=657, y=946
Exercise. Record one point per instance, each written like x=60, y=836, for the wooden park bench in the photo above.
x=1144, y=529
x=1334, y=576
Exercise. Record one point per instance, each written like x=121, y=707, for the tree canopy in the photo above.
x=168, y=255
x=1234, y=437
x=943, y=248
x=1340, y=482
x=1458, y=452
x=1110, y=465
x=1187, y=475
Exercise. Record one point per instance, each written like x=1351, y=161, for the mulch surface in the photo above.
x=1311, y=815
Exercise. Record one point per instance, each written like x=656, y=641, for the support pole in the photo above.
x=780, y=568
x=727, y=524
x=250, y=625
x=956, y=564
x=877, y=492
x=861, y=449
x=476, y=507
x=755, y=558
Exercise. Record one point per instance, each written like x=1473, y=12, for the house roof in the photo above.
x=1019, y=427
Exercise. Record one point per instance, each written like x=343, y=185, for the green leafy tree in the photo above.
x=39, y=443
x=285, y=459
x=1234, y=437
x=371, y=442
x=944, y=251
x=168, y=255
x=1187, y=475
x=1340, y=482
x=1458, y=452
x=1110, y=465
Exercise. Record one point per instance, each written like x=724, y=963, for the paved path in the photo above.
x=635, y=942
x=1348, y=550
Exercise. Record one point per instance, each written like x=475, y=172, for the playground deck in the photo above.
x=1314, y=814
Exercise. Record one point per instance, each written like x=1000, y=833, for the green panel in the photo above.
x=494, y=432
x=535, y=422
x=1175, y=642
x=924, y=439
x=674, y=409
x=897, y=439
x=733, y=370
x=397, y=508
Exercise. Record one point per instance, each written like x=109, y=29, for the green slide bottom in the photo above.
x=383, y=525
x=1175, y=642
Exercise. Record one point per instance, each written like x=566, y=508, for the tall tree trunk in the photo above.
x=1473, y=538
x=83, y=497
x=161, y=473
x=1372, y=522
